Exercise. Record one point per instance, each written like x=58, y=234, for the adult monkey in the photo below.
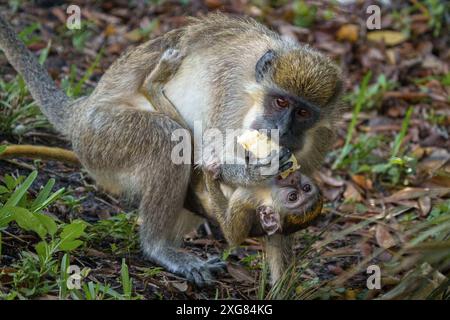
x=236, y=74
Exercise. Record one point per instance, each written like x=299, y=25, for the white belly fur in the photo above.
x=189, y=90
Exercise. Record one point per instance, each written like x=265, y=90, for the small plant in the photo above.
x=360, y=100
x=252, y=261
x=399, y=166
x=74, y=88
x=18, y=112
x=372, y=95
x=34, y=269
x=118, y=231
x=436, y=14
x=304, y=14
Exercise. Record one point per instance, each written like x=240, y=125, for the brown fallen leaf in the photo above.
x=348, y=32
x=350, y=294
x=366, y=249
x=331, y=181
x=134, y=35
x=239, y=273
x=414, y=193
x=390, y=38
x=110, y=30
x=331, y=194
x=384, y=238
x=181, y=286
x=60, y=14
x=351, y=193
x=335, y=269
x=391, y=56
x=362, y=181
x=213, y=4
x=424, y=205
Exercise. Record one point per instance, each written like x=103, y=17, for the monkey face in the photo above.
x=299, y=97
x=297, y=200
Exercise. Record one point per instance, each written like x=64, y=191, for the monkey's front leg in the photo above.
x=251, y=174
x=234, y=215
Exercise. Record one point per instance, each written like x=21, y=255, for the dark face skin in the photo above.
x=296, y=202
x=292, y=115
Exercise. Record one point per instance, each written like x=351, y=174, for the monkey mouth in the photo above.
x=295, y=222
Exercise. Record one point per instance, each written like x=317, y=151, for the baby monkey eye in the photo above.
x=293, y=196
x=306, y=188
x=282, y=102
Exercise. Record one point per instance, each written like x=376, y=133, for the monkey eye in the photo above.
x=306, y=188
x=282, y=102
x=293, y=196
x=303, y=113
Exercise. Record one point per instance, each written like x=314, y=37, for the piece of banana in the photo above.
x=261, y=146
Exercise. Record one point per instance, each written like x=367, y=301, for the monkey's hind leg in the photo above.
x=279, y=253
x=131, y=150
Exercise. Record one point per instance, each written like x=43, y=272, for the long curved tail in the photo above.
x=52, y=100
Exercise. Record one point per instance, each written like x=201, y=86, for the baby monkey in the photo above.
x=283, y=207
x=272, y=211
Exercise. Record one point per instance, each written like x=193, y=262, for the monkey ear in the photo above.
x=263, y=65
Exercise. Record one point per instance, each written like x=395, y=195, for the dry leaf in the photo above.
x=414, y=193
x=351, y=193
x=390, y=38
x=331, y=194
x=330, y=180
x=362, y=181
x=366, y=249
x=213, y=4
x=134, y=35
x=348, y=32
x=391, y=56
x=350, y=294
x=384, y=238
x=110, y=30
x=239, y=273
x=180, y=286
x=424, y=205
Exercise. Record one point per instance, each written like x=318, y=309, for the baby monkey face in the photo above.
x=295, y=194
x=297, y=200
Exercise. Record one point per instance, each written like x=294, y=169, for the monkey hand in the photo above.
x=269, y=219
x=273, y=165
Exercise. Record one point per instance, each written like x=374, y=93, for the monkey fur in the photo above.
x=236, y=74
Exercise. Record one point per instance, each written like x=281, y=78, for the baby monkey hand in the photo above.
x=269, y=219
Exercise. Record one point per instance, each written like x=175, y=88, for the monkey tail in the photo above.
x=52, y=100
x=39, y=152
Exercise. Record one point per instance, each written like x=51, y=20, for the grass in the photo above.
x=19, y=114
x=360, y=100
x=37, y=270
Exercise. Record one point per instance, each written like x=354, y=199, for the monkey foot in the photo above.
x=202, y=272
x=172, y=59
x=270, y=220
x=213, y=169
